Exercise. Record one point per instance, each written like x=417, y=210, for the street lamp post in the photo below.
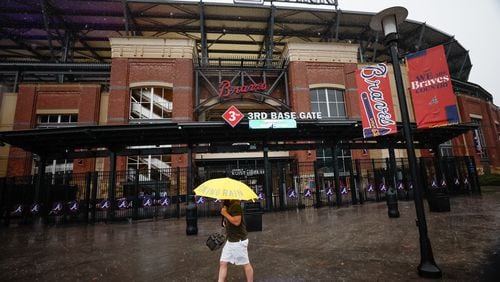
x=387, y=21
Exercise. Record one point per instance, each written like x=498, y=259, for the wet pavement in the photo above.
x=355, y=243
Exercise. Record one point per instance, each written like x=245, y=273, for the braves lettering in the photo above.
x=370, y=76
x=430, y=81
x=226, y=89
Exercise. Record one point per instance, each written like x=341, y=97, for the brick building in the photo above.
x=177, y=78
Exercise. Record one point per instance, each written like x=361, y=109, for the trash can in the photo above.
x=391, y=197
x=439, y=201
x=252, y=216
x=191, y=219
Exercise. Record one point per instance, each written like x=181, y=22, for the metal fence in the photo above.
x=87, y=198
x=65, y=198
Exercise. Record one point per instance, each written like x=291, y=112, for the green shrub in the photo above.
x=489, y=180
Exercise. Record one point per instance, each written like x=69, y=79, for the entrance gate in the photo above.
x=87, y=198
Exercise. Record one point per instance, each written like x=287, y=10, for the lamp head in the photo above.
x=388, y=20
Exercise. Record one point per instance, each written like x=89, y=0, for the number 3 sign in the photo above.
x=233, y=116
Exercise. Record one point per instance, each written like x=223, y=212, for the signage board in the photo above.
x=233, y=116
x=252, y=2
x=375, y=100
x=434, y=102
x=272, y=123
x=227, y=89
x=285, y=115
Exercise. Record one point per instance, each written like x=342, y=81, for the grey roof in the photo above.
x=77, y=31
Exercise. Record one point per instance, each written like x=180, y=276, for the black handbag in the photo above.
x=215, y=241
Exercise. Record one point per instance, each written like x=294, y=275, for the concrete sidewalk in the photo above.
x=356, y=243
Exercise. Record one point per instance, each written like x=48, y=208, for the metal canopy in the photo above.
x=426, y=138
x=116, y=138
x=77, y=31
x=98, y=141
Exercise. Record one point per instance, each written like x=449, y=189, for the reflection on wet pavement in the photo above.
x=355, y=243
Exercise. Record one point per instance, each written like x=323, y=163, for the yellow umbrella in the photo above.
x=225, y=189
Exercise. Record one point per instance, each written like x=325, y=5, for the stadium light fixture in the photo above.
x=387, y=21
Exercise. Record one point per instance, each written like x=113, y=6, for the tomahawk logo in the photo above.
x=73, y=206
x=147, y=202
x=382, y=187
x=164, y=202
x=122, y=203
x=18, y=209
x=104, y=204
x=343, y=190
x=370, y=188
x=401, y=186
x=329, y=191
x=56, y=208
x=35, y=208
x=200, y=200
x=307, y=193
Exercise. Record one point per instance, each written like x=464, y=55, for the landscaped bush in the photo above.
x=489, y=180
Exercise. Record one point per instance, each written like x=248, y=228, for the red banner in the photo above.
x=434, y=102
x=375, y=101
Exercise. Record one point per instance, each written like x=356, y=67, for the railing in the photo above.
x=87, y=198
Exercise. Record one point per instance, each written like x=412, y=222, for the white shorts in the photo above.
x=235, y=252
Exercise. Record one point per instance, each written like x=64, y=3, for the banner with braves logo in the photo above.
x=376, y=107
x=434, y=102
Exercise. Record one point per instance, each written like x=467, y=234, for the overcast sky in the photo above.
x=475, y=25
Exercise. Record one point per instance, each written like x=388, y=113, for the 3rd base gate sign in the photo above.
x=232, y=116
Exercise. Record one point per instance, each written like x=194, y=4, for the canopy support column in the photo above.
x=267, y=183
x=111, y=185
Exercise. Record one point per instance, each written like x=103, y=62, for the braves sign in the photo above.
x=377, y=110
x=227, y=89
x=434, y=102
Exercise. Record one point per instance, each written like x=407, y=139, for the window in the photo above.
x=59, y=166
x=446, y=149
x=330, y=102
x=56, y=120
x=478, y=140
x=151, y=103
x=151, y=167
x=324, y=157
x=64, y=166
x=61, y=170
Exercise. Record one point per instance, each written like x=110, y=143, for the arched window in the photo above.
x=151, y=103
x=329, y=101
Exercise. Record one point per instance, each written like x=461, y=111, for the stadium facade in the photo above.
x=236, y=90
